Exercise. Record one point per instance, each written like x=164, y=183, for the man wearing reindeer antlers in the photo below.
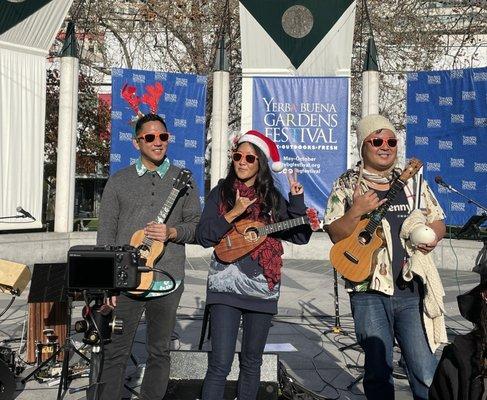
x=132, y=201
x=401, y=299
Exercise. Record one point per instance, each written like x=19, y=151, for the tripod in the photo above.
x=67, y=347
x=338, y=330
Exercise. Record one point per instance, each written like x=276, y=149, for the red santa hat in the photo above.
x=266, y=145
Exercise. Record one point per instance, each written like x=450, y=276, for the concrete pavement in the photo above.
x=304, y=323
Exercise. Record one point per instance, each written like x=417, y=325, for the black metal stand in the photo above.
x=14, y=216
x=337, y=328
x=67, y=347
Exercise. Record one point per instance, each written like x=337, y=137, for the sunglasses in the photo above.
x=150, y=137
x=250, y=158
x=378, y=142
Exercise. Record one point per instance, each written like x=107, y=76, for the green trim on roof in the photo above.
x=13, y=13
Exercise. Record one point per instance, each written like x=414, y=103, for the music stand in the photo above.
x=49, y=285
x=472, y=227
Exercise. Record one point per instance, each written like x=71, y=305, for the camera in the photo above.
x=109, y=268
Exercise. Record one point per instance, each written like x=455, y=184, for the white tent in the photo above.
x=27, y=31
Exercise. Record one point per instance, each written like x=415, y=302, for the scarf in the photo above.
x=269, y=252
x=386, y=177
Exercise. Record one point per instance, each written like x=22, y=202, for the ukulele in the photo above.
x=248, y=234
x=152, y=250
x=352, y=257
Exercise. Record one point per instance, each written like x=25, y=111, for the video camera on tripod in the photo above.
x=100, y=272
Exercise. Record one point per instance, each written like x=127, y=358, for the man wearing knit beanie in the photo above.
x=388, y=305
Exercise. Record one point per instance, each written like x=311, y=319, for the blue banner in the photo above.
x=447, y=130
x=308, y=120
x=178, y=98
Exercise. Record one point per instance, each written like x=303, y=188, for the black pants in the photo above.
x=160, y=315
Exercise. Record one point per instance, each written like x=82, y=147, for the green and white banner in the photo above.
x=294, y=38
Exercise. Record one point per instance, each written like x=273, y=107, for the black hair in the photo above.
x=264, y=186
x=148, y=118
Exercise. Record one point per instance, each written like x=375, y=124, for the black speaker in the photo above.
x=188, y=369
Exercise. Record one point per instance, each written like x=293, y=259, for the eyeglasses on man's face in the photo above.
x=150, y=137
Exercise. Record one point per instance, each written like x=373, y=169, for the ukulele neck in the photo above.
x=280, y=226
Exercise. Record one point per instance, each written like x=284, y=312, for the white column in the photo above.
x=370, y=93
x=66, y=148
x=219, y=133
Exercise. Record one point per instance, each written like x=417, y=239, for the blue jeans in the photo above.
x=225, y=322
x=378, y=320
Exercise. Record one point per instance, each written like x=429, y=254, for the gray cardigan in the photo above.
x=130, y=201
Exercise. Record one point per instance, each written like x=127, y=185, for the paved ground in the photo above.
x=305, y=320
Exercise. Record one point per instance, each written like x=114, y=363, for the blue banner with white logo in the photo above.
x=307, y=118
x=447, y=130
x=178, y=98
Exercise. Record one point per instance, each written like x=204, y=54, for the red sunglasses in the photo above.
x=250, y=158
x=378, y=142
x=150, y=137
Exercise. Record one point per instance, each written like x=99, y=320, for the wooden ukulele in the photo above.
x=353, y=256
x=247, y=234
x=152, y=250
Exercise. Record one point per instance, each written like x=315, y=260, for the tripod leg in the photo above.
x=355, y=381
x=206, y=316
x=95, y=364
x=43, y=364
x=63, y=382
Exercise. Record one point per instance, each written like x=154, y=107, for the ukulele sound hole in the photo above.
x=364, y=237
x=251, y=234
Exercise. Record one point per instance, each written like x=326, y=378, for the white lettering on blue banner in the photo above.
x=191, y=144
x=457, y=206
x=457, y=118
x=125, y=136
x=138, y=78
x=469, y=140
x=445, y=144
x=469, y=185
x=445, y=101
x=191, y=103
x=469, y=95
x=180, y=123
x=179, y=163
x=181, y=82
x=457, y=162
x=434, y=123
x=421, y=140
x=198, y=160
x=434, y=79
x=433, y=166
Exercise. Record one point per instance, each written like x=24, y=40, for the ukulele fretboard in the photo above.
x=377, y=215
x=280, y=226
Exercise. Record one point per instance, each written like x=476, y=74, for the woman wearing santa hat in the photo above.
x=248, y=288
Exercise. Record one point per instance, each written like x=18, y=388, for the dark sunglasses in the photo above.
x=150, y=137
x=250, y=158
x=378, y=142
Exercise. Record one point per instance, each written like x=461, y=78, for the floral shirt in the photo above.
x=341, y=199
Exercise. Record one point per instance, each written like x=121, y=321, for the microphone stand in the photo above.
x=469, y=200
x=14, y=216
